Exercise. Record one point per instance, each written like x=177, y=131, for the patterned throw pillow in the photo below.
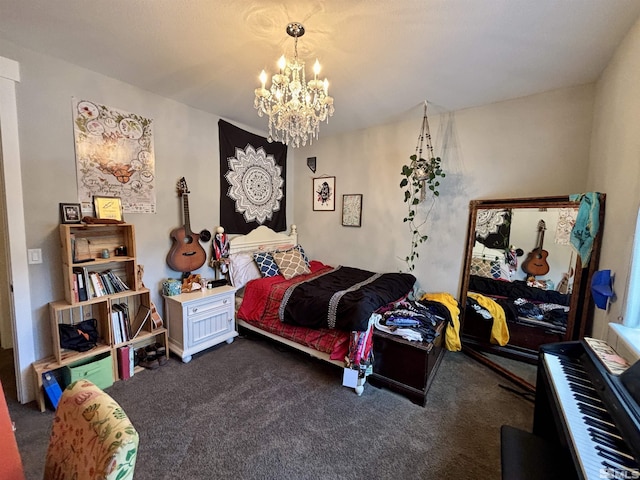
x=267, y=266
x=304, y=255
x=485, y=268
x=291, y=263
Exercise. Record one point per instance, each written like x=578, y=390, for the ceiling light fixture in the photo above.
x=295, y=107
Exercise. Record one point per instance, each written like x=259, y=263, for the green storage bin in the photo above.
x=99, y=371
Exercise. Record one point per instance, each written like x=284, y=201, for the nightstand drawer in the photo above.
x=209, y=305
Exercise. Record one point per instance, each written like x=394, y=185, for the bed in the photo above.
x=321, y=310
x=525, y=308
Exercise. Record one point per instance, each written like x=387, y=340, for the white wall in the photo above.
x=532, y=146
x=186, y=144
x=615, y=167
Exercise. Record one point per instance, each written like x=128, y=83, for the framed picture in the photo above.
x=324, y=194
x=70, y=213
x=108, y=208
x=352, y=210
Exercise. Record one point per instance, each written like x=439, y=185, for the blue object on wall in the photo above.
x=602, y=288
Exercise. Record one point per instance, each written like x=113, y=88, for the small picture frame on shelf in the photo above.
x=70, y=213
x=352, y=210
x=324, y=194
x=108, y=208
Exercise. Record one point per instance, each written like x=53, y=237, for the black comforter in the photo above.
x=516, y=289
x=343, y=298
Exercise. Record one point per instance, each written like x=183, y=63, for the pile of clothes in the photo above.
x=411, y=319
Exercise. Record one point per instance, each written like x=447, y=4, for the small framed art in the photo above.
x=352, y=210
x=108, y=208
x=70, y=213
x=324, y=195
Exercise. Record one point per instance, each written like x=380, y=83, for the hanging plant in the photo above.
x=421, y=178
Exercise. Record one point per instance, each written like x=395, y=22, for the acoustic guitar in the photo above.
x=186, y=253
x=536, y=262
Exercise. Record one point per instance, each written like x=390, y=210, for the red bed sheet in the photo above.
x=260, y=308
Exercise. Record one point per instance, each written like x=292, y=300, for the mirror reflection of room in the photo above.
x=531, y=246
x=524, y=283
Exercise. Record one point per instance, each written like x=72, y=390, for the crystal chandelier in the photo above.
x=295, y=107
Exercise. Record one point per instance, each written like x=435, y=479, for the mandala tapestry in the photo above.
x=252, y=181
x=493, y=228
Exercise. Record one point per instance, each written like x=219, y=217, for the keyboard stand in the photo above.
x=526, y=456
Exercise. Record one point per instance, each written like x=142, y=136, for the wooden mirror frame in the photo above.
x=581, y=305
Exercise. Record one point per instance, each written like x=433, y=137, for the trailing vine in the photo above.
x=418, y=175
x=421, y=176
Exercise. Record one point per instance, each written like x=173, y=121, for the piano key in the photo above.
x=590, y=392
x=616, y=457
x=590, y=401
x=579, y=415
x=612, y=441
x=601, y=426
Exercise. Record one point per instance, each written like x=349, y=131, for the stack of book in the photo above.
x=88, y=285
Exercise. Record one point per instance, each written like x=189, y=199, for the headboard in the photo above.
x=262, y=238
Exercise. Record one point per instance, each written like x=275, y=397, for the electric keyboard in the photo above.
x=589, y=412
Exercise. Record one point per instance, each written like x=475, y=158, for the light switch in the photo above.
x=35, y=255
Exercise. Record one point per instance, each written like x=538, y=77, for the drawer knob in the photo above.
x=225, y=300
x=195, y=309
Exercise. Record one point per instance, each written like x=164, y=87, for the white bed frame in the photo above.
x=264, y=238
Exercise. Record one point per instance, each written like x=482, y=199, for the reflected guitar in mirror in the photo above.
x=511, y=302
x=536, y=262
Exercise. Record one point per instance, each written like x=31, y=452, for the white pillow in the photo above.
x=242, y=269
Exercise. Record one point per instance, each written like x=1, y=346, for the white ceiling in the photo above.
x=382, y=57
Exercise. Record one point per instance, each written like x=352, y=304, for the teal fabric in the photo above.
x=587, y=224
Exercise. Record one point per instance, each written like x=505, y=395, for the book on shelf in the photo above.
x=98, y=288
x=124, y=362
x=116, y=280
x=132, y=362
x=75, y=288
x=126, y=321
x=115, y=325
x=106, y=282
x=79, y=279
x=122, y=319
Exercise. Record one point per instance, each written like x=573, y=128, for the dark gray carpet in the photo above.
x=251, y=410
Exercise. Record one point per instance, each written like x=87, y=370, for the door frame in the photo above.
x=20, y=304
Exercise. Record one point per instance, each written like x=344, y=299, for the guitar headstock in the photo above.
x=541, y=225
x=182, y=187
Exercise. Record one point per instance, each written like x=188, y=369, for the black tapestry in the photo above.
x=252, y=181
x=493, y=228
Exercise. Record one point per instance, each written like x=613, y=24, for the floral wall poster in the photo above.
x=114, y=157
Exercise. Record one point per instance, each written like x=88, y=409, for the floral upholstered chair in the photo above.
x=91, y=437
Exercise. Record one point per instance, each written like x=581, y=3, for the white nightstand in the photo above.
x=200, y=320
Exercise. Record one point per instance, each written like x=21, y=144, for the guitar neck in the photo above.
x=541, y=239
x=185, y=206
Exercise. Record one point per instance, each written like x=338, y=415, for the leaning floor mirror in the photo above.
x=526, y=276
